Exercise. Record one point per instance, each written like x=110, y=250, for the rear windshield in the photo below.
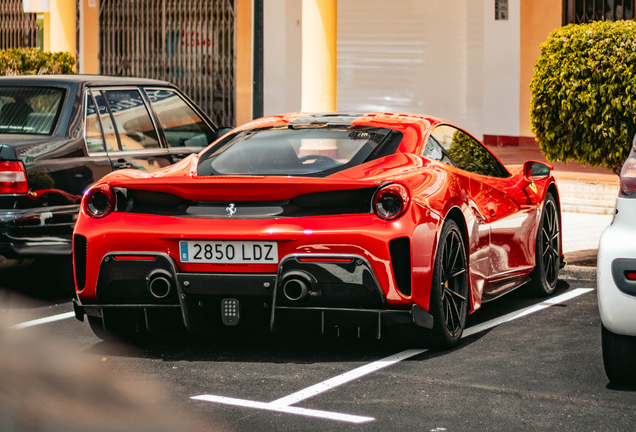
x=30, y=110
x=308, y=150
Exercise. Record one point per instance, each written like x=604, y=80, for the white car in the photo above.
x=616, y=281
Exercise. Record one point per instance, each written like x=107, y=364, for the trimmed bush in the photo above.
x=583, y=104
x=32, y=61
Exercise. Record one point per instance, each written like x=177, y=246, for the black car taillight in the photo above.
x=99, y=202
x=13, y=178
x=391, y=201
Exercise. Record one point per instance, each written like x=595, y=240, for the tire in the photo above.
x=449, y=290
x=545, y=275
x=619, y=357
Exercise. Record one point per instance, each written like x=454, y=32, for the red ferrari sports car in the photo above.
x=337, y=220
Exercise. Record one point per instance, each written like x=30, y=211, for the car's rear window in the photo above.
x=30, y=110
x=310, y=150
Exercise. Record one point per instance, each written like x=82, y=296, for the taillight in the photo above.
x=391, y=201
x=628, y=177
x=13, y=178
x=99, y=202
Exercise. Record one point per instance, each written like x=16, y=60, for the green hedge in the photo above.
x=32, y=61
x=583, y=103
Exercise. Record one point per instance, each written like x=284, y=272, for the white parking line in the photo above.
x=345, y=378
x=283, y=404
x=526, y=311
x=349, y=418
x=45, y=320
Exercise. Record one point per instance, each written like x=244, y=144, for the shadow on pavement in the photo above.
x=300, y=345
x=42, y=282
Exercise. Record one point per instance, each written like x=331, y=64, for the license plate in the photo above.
x=228, y=252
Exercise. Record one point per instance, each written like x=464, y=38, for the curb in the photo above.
x=581, y=273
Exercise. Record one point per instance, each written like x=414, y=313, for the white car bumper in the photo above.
x=616, y=257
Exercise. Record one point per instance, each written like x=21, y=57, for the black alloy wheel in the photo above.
x=449, y=289
x=545, y=275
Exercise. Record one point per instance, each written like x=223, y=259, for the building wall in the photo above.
x=422, y=56
x=89, y=37
x=244, y=35
x=283, y=54
x=540, y=18
x=448, y=58
x=501, y=70
x=61, y=26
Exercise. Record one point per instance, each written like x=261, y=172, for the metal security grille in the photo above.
x=189, y=43
x=17, y=29
x=585, y=11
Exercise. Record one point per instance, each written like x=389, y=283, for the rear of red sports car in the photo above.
x=297, y=217
x=331, y=220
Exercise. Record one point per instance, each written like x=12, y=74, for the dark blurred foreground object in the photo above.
x=45, y=388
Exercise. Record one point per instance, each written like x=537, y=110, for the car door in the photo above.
x=130, y=133
x=440, y=140
x=98, y=162
x=504, y=206
x=184, y=129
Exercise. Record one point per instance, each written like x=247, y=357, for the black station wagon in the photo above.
x=61, y=133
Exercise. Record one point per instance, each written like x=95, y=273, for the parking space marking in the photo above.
x=349, y=418
x=525, y=311
x=345, y=378
x=283, y=404
x=44, y=320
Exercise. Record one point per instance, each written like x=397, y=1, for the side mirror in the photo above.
x=536, y=170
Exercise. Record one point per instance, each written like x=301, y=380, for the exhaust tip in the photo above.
x=295, y=289
x=160, y=287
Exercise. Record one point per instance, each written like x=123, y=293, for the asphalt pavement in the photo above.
x=539, y=369
x=525, y=363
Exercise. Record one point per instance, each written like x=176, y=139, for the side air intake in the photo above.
x=400, y=250
x=79, y=258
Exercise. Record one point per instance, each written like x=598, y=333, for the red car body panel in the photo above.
x=500, y=216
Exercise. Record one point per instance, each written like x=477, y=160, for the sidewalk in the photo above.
x=581, y=233
x=582, y=189
x=587, y=203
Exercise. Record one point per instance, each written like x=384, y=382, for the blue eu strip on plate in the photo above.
x=184, y=251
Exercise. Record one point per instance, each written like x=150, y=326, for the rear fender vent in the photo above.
x=79, y=258
x=400, y=249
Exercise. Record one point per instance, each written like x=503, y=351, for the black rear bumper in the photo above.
x=340, y=293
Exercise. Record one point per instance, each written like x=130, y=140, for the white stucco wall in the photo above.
x=447, y=58
x=282, y=56
x=501, y=70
